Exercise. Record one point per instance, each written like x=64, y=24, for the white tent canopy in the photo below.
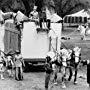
x=81, y=13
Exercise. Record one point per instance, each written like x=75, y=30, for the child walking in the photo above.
x=19, y=63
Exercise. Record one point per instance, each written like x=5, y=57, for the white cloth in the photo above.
x=52, y=34
x=55, y=30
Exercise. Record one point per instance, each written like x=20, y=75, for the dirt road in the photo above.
x=35, y=81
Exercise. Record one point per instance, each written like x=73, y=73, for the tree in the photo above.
x=28, y=5
x=65, y=7
x=12, y=5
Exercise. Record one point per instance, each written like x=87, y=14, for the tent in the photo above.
x=81, y=13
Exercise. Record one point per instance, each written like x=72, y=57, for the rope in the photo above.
x=55, y=50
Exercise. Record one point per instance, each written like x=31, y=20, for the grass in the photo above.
x=75, y=39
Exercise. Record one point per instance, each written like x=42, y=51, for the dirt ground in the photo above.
x=34, y=80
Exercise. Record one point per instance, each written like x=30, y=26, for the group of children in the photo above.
x=10, y=63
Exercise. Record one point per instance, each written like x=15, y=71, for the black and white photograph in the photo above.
x=44, y=44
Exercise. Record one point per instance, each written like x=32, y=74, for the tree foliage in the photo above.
x=63, y=7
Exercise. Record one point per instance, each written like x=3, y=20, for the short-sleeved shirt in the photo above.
x=18, y=62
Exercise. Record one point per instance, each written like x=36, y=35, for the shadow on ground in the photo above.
x=34, y=68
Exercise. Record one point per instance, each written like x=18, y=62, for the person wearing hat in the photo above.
x=34, y=13
x=19, y=63
x=48, y=70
